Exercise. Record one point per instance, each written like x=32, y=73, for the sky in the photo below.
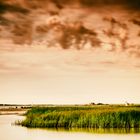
x=33, y=73
x=68, y=77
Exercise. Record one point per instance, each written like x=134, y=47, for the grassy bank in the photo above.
x=106, y=116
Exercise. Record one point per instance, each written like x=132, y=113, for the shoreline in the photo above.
x=13, y=111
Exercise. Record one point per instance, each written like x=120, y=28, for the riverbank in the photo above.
x=12, y=111
x=98, y=116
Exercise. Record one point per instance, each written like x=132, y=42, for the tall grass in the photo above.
x=83, y=117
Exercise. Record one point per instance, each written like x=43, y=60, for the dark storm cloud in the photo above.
x=132, y=4
x=18, y=4
x=4, y=7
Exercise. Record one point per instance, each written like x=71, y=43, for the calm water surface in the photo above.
x=8, y=131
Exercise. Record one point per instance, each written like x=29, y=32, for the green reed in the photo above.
x=106, y=116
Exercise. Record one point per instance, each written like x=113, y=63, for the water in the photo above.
x=8, y=131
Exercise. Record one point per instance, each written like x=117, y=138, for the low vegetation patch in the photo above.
x=104, y=116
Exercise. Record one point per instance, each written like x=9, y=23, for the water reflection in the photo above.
x=13, y=132
x=98, y=130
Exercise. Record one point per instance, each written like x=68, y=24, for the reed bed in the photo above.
x=105, y=116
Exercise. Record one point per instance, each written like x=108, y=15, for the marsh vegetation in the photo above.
x=99, y=116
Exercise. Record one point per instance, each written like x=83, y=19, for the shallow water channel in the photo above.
x=9, y=131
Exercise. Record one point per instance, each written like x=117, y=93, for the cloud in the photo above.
x=4, y=7
x=135, y=4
